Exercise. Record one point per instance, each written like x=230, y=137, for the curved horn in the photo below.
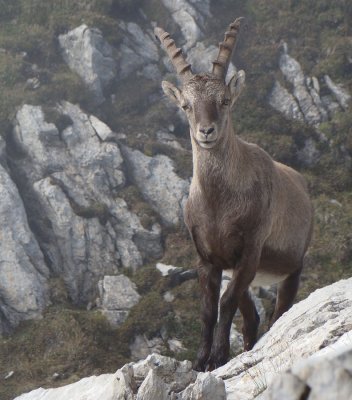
x=226, y=47
x=182, y=67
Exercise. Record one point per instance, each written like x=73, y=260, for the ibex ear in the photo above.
x=236, y=85
x=172, y=92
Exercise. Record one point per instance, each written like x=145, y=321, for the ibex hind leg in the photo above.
x=250, y=320
x=286, y=293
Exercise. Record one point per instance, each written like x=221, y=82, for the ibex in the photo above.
x=245, y=211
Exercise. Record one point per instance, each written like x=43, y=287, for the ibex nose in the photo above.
x=206, y=131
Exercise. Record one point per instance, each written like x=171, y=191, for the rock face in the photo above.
x=305, y=103
x=87, y=53
x=138, y=52
x=325, y=375
x=70, y=180
x=189, y=16
x=159, y=184
x=23, y=273
x=314, y=323
x=312, y=340
x=117, y=295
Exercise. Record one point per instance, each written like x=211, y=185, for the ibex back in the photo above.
x=245, y=212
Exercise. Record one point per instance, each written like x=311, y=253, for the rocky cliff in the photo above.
x=95, y=167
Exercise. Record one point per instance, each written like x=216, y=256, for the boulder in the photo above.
x=23, y=273
x=91, y=57
x=117, y=295
x=159, y=184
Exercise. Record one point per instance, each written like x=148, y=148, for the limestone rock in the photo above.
x=138, y=52
x=325, y=375
x=104, y=387
x=314, y=323
x=87, y=53
x=312, y=109
x=283, y=101
x=177, y=374
x=70, y=179
x=185, y=16
x=305, y=102
x=117, y=295
x=206, y=387
x=160, y=185
x=341, y=95
x=23, y=273
x=153, y=388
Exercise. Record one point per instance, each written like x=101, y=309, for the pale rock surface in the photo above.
x=103, y=131
x=309, y=326
x=312, y=109
x=283, y=101
x=138, y=51
x=104, y=387
x=153, y=388
x=23, y=273
x=305, y=102
x=341, y=94
x=326, y=375
x=206, y=386
x=87, y=53
x=117, y=295
x=187, y=17
x=70, y=179
x=160, y=185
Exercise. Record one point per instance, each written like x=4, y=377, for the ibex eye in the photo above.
x=225, y=102
x=186, y=107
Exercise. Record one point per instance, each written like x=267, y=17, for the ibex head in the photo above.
x=205, y=98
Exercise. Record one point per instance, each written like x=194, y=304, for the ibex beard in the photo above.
x=245, y=211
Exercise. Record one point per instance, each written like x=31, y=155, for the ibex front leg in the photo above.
x=242, y=277
x=209, y=281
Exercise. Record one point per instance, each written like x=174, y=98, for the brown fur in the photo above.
x=245, y=212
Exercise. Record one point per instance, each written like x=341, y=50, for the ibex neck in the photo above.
x=221, y=168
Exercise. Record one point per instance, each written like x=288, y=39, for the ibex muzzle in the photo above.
x=245, y=212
